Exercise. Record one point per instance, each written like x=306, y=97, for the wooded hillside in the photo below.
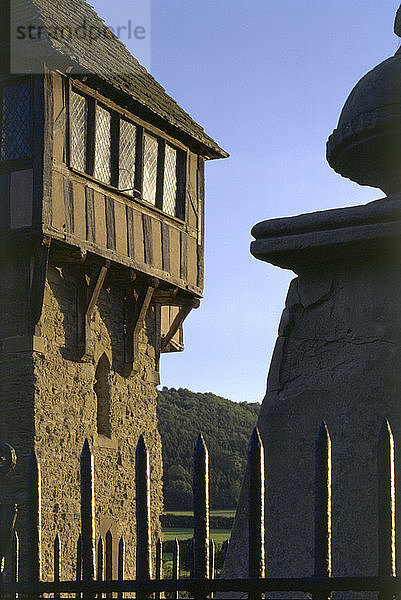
x=226, y=427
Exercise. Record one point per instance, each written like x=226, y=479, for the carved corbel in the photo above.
x=88, y=295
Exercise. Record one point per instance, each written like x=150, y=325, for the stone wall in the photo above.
x=59, y=410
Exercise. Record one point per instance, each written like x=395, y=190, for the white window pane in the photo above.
x=78, y=120
x=102, y=170
x=127, y=156
x=149, y=168
x=170, y=181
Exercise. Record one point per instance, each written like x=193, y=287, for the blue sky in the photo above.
x=267, y=79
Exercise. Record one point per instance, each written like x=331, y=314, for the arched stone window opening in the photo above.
x=102, y=391
x=109, y=557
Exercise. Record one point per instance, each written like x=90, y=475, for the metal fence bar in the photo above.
x=100, y=562
x=201, y=509
x=57, y=563
x=34, y=528
x=78, y=568
x=87, y=515
x=386, y=503
x=143, y=535
x=212, y=559
x=14, y=562
x=159, y=564
x=176, y=566
x=256, y=509
x=191, y=558
x=120, y=563
x=322, y=551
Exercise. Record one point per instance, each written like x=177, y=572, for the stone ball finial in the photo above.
x=366, y=145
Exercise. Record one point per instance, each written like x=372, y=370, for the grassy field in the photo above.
x=218, y=535
x=189, y=513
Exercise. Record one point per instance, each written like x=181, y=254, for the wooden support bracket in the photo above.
x=37, y=282
x=88, y=295
x=137, y=301
x=178, y=321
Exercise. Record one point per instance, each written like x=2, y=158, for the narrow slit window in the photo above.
x=127, y=157
x=102, y=391
x=79, y=131
x=102, y=170
x=150, y=152
x=16, y=122
x=170, y=181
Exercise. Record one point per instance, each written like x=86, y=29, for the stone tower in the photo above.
x=338, y=353
x=101, y=234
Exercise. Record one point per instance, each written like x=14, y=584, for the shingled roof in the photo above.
x=107, y=59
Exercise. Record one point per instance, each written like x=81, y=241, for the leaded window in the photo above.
x=170, y=181
x=119, y=153
x=102, y=170
x=150, y=153
x=127, y=156
x=16, y=121
x=79, y=131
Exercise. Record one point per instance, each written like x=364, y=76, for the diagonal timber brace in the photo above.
x=185, y=309
x=137, y=302
x=87, y=299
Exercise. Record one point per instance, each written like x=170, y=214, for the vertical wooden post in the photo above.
x=143, y=548
x=201, y=509
x=34, y=518
x=159, y=564
x=322, y=507
x=386, y=504
x=256, y=504
x=56, y=565
x=87, y=515
x=176, y=566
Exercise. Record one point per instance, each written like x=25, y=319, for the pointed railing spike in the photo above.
x=57, y=563
x=143, y=536
x=386, y=504
x=226, y=545
x=256, y=509
x=34, y=517
x=87, y=515
x=159, y=564
x=322, y=551
x=201, y=509
x=120, y=563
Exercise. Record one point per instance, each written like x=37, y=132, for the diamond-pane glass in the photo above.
x=170, y=181
x=78, y=120
x=150, y=148
x=16, y=122
x=102, y=169
x=127, y=156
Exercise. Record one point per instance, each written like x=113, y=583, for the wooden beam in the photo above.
x=138, y=300
x=178, y=321
x=88, y=295
x=38, y=271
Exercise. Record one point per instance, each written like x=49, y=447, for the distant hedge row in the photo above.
x=226, y=427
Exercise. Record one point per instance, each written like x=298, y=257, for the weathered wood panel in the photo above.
x=120, y=217
x=147, y=238
x=138, y=237
x=100, y=220
x=21, y=198
x=110, y=223
x=68, y=205
x=192, y=260
x=130, y=231
x=183, y=255
x=175, y=252
x=192, y=200
x=90, y=214
x=58, y=207
x=165, y=233
x=79, y=210
x=157, y=244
